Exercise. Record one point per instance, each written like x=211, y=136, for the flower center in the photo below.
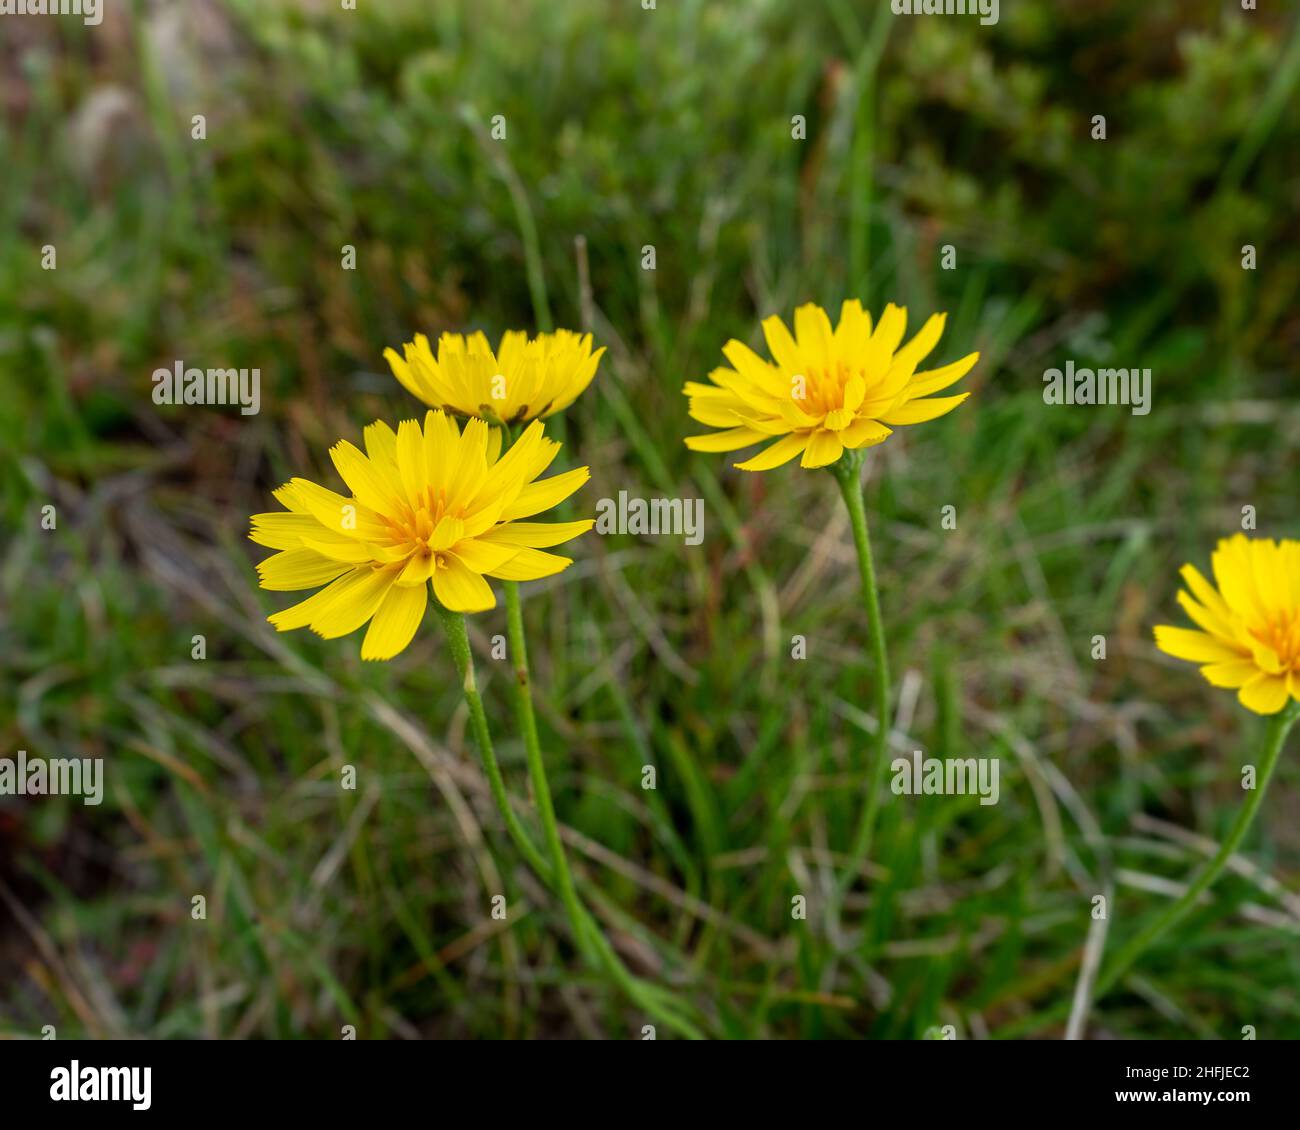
x=412, y=528
x=819, y=391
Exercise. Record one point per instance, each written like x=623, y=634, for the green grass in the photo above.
x=371, y=907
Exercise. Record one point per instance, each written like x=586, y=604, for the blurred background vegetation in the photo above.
x=627, y=128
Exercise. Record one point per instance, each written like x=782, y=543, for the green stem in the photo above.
x=453, y=624
x=587, y=933
x=846, y=472
x=536, y=766
x=1278, y=727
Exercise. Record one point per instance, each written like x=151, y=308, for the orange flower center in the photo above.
x=820, y=390
x=411, y=529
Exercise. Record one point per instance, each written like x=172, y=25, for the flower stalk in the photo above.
x=588, y=936
x=1279, y=726
x=536, y=765
x=527, y=720
x=847, y=473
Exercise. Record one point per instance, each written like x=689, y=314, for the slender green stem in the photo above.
x=587, y=933
x=527, y=720
x=1123, y=961
x=536, y=765
x=586, y=929
x=846, y=472
x=453, y=624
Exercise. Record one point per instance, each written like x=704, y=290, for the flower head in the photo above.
x=523, y=380
x=825, y=390
x=1250, y=624
x=431, y=504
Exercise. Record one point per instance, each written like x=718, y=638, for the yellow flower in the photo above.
x=1251, y=623
x=825, y=390
x=431, y=504
x=523, y=380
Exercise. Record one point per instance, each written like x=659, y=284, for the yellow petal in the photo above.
x=1232, y=675
x=884, y=340
x=301, y=614
x=1197, y=647
x=447, y=532
x=407, y=375
x=1290, y=566
x=823, y=449
x=746, y=395
x=353, y=606
x=730, y=440
x=752, y=367
x=380, y=441
x=1266, y=659
x=864, y=433
x=290, y=496
x=460, y=589
x=792, y=419
x=854, y=330
x=813, y=331
x=298, y=569
x=351, y=552
x=922, y=345
x=339, y=515
x=530, y=564
x=409, y=455
x=417, y=570
x=537, y=535
x=1204, y=618
x=855, y=391
x=1264, y=694
x=714, y=412
x=785, y=449
x=469, y=463
x=1232, y=571
x=774, y=426
x=483, y=513
x=1205, y=592
x=1265, y=568
x=395, y=621
x=936, y=380
x=545, y=493
x=781, y=344
x=440, y=438
x=284, y=530
x=527, y=458
x=710, y=392
x=366, y=484
x=482, y=556
x=918, y=411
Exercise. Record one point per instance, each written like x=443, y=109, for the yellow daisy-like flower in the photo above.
x=826, y=390
x=431, y=504
x=523, y=380
x=1250, y=637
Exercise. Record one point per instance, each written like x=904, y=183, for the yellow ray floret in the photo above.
x=1248, y=627
x=523, y=380
x=427, y=505
x=825, y=390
